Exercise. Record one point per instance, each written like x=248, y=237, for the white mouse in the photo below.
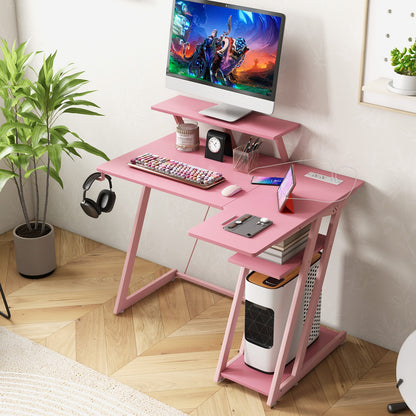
x=230, y=190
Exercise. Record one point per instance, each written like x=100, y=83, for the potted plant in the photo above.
x=32, y=144
x=404, y=63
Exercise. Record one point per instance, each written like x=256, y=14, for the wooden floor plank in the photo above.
x=148, y=323
x=119, y=337
x=216, y=404
x=286, y=406
x=309, y=396
x=47, y=314
x=91, y=348
x=38, y=330
x=243, y=401
x=198, y=299
x=187, y=400
x=173, y=306
x=186, y=361
x=63, y=341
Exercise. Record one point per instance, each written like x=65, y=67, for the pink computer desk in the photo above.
x=313, y=200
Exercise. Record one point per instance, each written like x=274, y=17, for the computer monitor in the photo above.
x=225, y=53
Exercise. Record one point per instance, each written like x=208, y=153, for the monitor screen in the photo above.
x=227, y=52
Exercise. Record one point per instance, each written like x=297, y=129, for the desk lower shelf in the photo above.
x=273, y=269
x=240, y=373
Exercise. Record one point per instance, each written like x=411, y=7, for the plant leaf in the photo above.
x=84, y=111
x=88, y=148
x=5, y=175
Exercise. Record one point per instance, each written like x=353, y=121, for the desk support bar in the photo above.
x=282, y=149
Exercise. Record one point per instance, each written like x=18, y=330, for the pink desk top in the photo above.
x=259, y=200
x=166, y=147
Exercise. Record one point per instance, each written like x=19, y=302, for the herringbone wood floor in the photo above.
x=167, y=345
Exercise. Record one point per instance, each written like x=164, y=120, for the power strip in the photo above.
x=328, y=179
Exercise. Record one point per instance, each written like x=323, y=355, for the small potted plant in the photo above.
x=32, y=145
x=404, y=63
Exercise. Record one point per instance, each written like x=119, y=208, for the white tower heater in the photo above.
x=267, y=307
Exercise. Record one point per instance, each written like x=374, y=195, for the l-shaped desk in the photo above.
x=313, y=198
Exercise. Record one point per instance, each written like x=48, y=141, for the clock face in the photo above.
x=214, y=144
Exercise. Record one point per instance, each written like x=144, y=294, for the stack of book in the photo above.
x=286, y=249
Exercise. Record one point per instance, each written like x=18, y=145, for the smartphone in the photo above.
x=285, y=189
x=266, y=180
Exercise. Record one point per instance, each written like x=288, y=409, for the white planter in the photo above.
x=403, y=84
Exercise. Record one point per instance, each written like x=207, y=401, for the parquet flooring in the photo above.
x=168, y=344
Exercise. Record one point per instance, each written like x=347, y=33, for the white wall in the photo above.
x=121, y=44
x=11, y=214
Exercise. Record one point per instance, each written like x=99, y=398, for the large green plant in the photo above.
x=31, y=142
x=404, y=62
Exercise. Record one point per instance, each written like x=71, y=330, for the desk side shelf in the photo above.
x=273, y=269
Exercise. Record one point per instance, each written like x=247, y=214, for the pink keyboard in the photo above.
x=178, y=171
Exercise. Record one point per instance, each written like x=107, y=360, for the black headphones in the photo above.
x=105, y=201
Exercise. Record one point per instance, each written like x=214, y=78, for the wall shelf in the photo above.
x=376, y=92
x=389, y=24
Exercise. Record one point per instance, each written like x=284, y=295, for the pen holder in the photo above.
x=244, y=161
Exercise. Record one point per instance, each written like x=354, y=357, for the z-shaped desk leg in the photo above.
x=300, y=366
x=123, y=301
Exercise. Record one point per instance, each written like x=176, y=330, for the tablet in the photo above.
x=286, y=188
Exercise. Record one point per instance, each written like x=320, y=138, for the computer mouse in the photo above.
x=230, y=190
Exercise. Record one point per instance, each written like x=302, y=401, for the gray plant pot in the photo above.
x=35, y=256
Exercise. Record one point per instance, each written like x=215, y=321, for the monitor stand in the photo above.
x=225, y=112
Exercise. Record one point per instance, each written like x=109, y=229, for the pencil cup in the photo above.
x=244, y=161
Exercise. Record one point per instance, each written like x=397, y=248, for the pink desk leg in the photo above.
x=278, y=388
x=313, y=302
x=121, y=300
x=231, y=324
x=293, y=313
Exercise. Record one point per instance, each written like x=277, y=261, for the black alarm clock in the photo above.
x=218, y=144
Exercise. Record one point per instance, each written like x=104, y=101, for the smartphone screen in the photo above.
x=266, y=180
x=285, y=189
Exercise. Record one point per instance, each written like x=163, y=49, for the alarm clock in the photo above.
x=218, y=144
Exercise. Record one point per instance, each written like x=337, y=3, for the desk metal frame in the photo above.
x=256, y=200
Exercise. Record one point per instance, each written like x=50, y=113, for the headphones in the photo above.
x=105, y=201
